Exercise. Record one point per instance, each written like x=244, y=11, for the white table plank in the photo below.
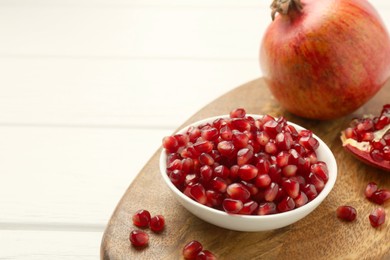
x=136, y=32
x=130, y=93
x=48, y=245
x=63, y=175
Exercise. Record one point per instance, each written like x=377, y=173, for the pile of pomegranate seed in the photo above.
x=143, y=219
x=194, y=250
x=244, y=165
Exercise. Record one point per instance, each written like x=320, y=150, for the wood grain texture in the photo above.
x=318, y=236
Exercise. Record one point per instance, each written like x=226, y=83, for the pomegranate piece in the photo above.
x=377, y=217
x=192, y=249
x=346, y=213
x=157, y=223
x=141, y=218
x=205, y=255
x=368, y=138
x=243, y=165
x=139, y=238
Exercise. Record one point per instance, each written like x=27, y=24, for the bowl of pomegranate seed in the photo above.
x=247, y=172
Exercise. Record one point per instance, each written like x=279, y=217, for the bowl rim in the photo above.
x=332, y=164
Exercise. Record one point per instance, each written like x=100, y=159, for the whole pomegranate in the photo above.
x=323, y=59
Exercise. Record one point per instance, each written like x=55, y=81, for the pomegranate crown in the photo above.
x=283, y=6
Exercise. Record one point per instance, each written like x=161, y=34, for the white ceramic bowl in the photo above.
x=252, y=223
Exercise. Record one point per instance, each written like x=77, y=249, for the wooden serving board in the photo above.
x=321, y=235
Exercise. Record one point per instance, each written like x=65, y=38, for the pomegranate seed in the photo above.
x=271, y=192
x=239, y=139
x=226, y=148
x=249, y=208
x=301, y=200
x=232, y=205
x=157, y=223
x=206, y=172
x=310, y=191
x=177, y=177
x=182, y=140
x=253, y=190
x=263, y=166
x=346, y=213
x=139, y=238
x=377, y=155
x=316, y=181
x=271, y=147
x=263, y=181
x=209, y=134
x=244, y=156
x=241, y=124
x=175, y=165
x=237, y=113
x=272, y=128
x=192, y=249
x=350, y=133
x=291, y=187
x=205, y=255
x=266, y=208
x=320, y=169
x=282, y=158
x=286, y=204
x=283, y=141
x=290, y=170
x=370, y=189
x=309, y=142
x=187, y=165
x=234, y=172
x=206, y=159
x=226, y=133
x=380, y=196
x=203, y=146
x=222, y=171
x=238, y=191
x=247, y=172
x=218, y=184
x=219, y=123
x=141, y=218
x=262, y=138
x=198, y=193
x=214, y=198
x=377, y=217
x=275, y=173
x=193, y=133
x=170, y=143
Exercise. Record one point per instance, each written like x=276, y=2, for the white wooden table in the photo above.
x=88, y=88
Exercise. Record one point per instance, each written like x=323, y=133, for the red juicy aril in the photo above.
x=251, y=166
x=368, y=139
x=323, y=59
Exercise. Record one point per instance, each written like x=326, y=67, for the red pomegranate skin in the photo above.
x=328, y=60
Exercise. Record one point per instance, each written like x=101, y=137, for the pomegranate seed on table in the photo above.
x=244, y=165
x=192, y=249
x=141, y=218
x=380, y=196
x=370, y=189
x=205, y=255
x=139, y=238
x=346, y=213
x=377, y=217
x=157, y=223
